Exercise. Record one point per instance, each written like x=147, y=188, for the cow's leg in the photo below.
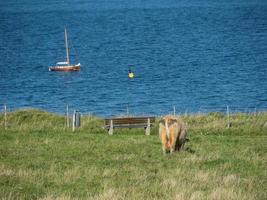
x=177, y=136
x=165, y=144
x=182, y=144
x=164, y=149
x=182, y=139
x=173, y=139
x=163, y=138
x=164, y=141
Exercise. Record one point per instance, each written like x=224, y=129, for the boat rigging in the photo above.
x=65, y=65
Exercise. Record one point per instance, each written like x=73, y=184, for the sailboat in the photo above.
x=65, y=65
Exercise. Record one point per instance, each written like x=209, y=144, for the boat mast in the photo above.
x=67, y=47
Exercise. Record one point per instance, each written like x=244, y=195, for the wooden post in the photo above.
x=5, y=116
x=255, y=111
x=174, y=111
x=148, y=127
x=110, y=131
x=228, y=117
x=185, y=114
x=73, y=121
x=68, y=118
x=127, y=110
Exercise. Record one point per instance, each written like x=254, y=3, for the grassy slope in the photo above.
x=39, y=159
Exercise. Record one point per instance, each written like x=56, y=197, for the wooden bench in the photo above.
x=129, y=122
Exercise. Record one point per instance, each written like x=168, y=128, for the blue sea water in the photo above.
x=192, y=54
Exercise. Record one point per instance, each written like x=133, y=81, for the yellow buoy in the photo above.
x=131, y=75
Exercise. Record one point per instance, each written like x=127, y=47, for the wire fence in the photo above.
x=127, y=111
x=72, y=115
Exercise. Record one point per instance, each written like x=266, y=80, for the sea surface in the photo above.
x=196, y=55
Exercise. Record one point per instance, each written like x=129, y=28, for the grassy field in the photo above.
x=41, y=159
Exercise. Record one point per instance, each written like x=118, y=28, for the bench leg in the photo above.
x=110, y=131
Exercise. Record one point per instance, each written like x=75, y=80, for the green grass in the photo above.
x=41, y=159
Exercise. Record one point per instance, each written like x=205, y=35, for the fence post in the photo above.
x=127, y=110
x=110, y=131
x=255, y=111
x=68, y=118
x=185, y=114
x=148, y=127
x=5, y=116
x=228, y=117
x=73, y=121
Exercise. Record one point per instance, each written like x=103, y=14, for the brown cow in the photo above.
x=172, y=132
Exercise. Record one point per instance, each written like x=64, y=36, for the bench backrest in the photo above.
x=129, y=120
